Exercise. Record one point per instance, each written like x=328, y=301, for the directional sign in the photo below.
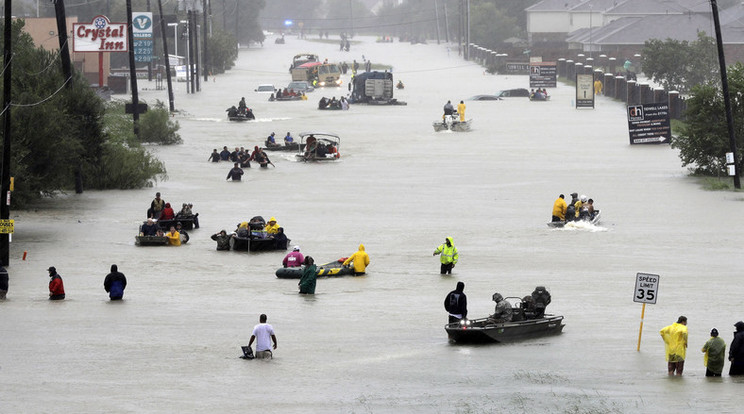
x=646, y=288
x=6, y=226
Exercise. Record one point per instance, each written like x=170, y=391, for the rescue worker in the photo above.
x=449, y=255
x=272, y=227
x=115, y=283
x=715, y=354
x=598, y=87
x=541, y=298
x=461, y=111
x=675, y=344
x=56, y=286
x=360, y=260
x=242, y=106
x=571, y=209
x=174, y=237
x=448, y=110
x=736, y=352
x=559, y=209
x=156, y=207
x=456, y=304
x=578, y=204
x=222, y=239
x=503, y=310
x=293, y=258
x=309, y=276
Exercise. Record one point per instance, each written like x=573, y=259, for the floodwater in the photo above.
x=376, y=343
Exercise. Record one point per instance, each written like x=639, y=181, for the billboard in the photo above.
x=649, y=123
x=100, y=35
x=543, y=74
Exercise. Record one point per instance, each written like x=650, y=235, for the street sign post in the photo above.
x=646, y=291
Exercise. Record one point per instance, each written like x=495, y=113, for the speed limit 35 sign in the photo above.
x=646, y=288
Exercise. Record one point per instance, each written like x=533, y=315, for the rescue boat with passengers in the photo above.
x=331, y=269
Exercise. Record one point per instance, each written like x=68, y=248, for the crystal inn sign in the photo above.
x=100, y=35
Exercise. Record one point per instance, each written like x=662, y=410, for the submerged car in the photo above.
x=300, y=86
x=511, y=93
x=265, y=88
x=484, y=98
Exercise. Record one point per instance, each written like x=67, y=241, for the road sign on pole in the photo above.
x=646, y=291
x=646, y=288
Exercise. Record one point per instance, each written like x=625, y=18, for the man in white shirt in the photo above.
x=263, y=334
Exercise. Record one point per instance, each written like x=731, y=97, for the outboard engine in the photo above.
x=541, y=296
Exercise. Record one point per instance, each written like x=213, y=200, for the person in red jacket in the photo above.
x=56, y=287
x=168, y=213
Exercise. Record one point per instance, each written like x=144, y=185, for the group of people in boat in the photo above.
x=161, y=211
x=271, y=140
x=531, y=306
x=255, y=227
x=451, y=114
x=579, y=208
x=319, y=149
x=287, y=93
x=333, y=103
x=538, y=94
x=241, y=111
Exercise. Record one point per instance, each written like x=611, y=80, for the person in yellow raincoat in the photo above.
x=598, y=87
x=449, y=255
x=675, y=344
x=461, y=111
x=559, y=209
x=272, y=227
x=174, y=237
x=360, y=261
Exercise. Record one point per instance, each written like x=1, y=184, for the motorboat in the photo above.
x=452, y=123
x=318, y=146
x=255, y=238
x=331, y=269
x=593, y=221
x=527, y=321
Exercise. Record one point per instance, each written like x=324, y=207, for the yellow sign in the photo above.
x=6, y=226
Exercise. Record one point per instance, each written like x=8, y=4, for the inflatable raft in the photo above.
x=326, y=270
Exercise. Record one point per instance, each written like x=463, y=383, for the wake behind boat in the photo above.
x=593, y=221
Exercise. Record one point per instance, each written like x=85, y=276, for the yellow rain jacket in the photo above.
x=461, y=111
x=578, y=205
x=174, y=239
x=360, y=259
x=559, y=208
x=272, y=228
x=448, y=254
x=675, y=342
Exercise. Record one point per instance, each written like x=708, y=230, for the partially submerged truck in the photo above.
x=373, y=88
x=318, y=74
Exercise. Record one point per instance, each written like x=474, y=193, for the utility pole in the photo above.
x=5, y=202
x=459, y=27
x=436, y=12
x=190, y=23
x=446, y=24
x=59, y=9
x=467, y=28
x=205, y=65
x=132, y=70
x=197, y=67
x=726, y=98
x=171, y=104
x=351, y=16
x=149, y=64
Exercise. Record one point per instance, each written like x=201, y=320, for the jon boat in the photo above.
x=325, y=270
x=258, y=240
x=282, y=147
x=453, y=124
x=151, y=240
x=481, y=331
x=593, y=221
x=187, y=223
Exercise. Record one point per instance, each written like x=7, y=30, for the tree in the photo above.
x=222, y=51
x=490, y=26
x=59, y=131
x=704, y=141
x=680, y=65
